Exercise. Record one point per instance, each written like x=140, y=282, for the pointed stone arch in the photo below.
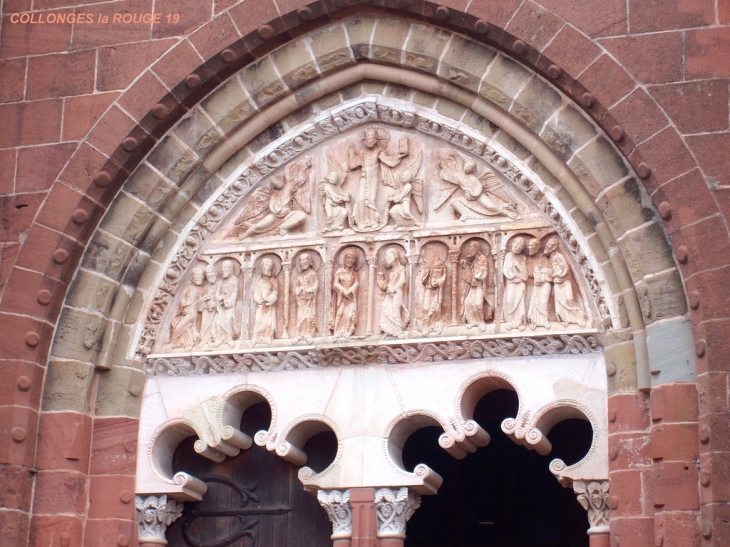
x=619, y=239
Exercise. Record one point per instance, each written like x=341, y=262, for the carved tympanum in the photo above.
x=407, y=238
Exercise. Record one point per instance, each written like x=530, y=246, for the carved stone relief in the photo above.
x=393, y=508
x=593, y=496
x=407, y=238
x=154, y=515
x=339, y=510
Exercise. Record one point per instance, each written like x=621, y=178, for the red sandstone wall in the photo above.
x=70, y=94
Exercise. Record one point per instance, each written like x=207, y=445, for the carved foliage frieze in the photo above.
x=367, y=226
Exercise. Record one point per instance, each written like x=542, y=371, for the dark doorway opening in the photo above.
x=503, y=495
x=254, y=499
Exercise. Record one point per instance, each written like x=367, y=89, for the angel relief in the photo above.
x=483, y=195
x=280, y=206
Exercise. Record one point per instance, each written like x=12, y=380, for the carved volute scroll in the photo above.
x=375, y=224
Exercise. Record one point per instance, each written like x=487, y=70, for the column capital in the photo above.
x=339, y=510
x=593, y=496
x=154, y=515
x=393, y=508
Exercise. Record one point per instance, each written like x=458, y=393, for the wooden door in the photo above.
x=254, y=499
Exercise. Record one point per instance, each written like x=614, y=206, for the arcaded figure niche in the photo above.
x=349, y=295
x=208, y=313
x=267, y=316
x=373, y=225
x=394, y=311
x=539, y=290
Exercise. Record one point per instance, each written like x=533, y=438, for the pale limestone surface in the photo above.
x=372, y=410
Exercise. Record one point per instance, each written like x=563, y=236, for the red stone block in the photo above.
x=674, y=403
x=145, y=93
x=534, y=25
x=633, y=532
x=39, y=166
x=631, y=451
x=61, y=75
x=38, y=252
x=639, y=116
x=723, y=11
x=675, y=442
x=718, y=346
x=16, y=6
x=717, y=429
x=13, y=88
x=605, y=19
x=222, y=5
x=669, y=14
x=634, y=53
x=23, y=383
x=8, y=254
x=712, y=390
x=695, y=107
x=626, y=487
x=192, y=14
x=667, y=155
x=214, y=36
x=60, y=205
x=676, y=486
x=111, y=130
x=250, y=18
x=18, y=429
x=81, y=170
x=104, y=34
x=17, y=213
x=34, y=39
x=607, y=81
x=630, y=411
x=64, y=441
x=111, y=496
x=16, y=487
x=48, y=4
x=81, y=113
x=7, y=171
x=119, y=65
x=22, y=294
x=706, y=53
x=712, y=154
x=15, y=329
x=177, y=64
x=60, y=492
x=56, y=531
x=103, y=533
x=572, y=51
x=678, y=529
x=114, y=446
x=27, y=123
x=14, y=528
x=713, y=288
x=497, y=13
x=689, y=197
x=707, y=244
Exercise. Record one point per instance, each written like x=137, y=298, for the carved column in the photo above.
x=393, y=509
x=339, y=510
x=454, y=254
x=287, y=290
x=412, y=277
x=154, y=515
x=371, y=293
x=593, y=496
